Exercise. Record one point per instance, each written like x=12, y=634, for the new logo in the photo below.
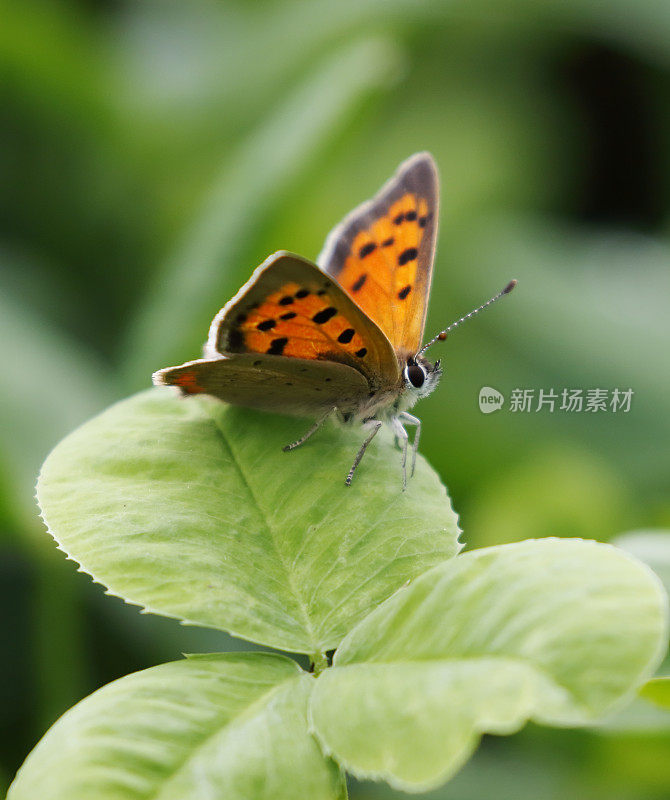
x=490, y=400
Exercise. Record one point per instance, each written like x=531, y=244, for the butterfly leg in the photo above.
x=410, y=419
x=311, y=431
x=375, y=424
x=401, y=436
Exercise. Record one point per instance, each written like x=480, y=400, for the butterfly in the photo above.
x=342, y=338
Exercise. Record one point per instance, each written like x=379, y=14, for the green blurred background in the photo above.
x=152, y=154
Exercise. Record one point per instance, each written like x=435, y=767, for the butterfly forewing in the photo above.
x=284, y=385
x=382, y=253
x=292, y=310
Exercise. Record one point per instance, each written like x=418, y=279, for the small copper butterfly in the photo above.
x=343, y=337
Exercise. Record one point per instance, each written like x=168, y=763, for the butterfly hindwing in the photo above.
x=283, y=385
x=382, y=253
x=291, y=309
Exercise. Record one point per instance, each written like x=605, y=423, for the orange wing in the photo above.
x=382, y=253
x=291, y=309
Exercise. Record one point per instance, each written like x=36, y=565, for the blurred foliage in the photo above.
x=153, y=154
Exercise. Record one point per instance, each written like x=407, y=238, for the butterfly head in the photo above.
x=421, y=376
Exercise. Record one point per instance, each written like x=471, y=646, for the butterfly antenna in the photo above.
x=442, y=335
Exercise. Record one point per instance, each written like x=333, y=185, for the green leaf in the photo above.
x=191, y=509
x=658, y=692
x=554, y=630
x=229, y=726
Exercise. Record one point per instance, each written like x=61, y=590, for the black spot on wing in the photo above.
x=302, y=293
x=410, y=216
x=356, y=287
x=360, y=353
x=324, y=315
x=286, y=300
x=266, y=325
x=397, y=220
x=402, y=294
x=277, y=346
x=368, y=248
x=388, y=242
x=407, y=255
x=346, y=336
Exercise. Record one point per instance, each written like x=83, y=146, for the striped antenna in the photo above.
x=442, y=335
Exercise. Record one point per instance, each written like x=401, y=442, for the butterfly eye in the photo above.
x=416, y=375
